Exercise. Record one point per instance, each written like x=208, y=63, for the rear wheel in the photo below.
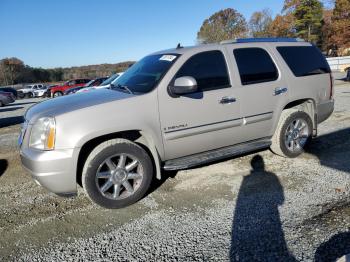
x=29, y=95
x=57, y=94
x=292, y=134
x=117, y=173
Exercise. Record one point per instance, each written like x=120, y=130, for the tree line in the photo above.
x=328, y=28
x=14, y=71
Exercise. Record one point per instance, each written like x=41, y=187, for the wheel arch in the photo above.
x=137, y=136
x=307, y=105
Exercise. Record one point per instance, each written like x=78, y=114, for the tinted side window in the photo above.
x=208, y=68
x=255, y=65
x=304, y=60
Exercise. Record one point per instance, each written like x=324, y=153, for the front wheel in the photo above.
x=117, y=173
x=57, y=94
x=293, y=132
x=29, y=95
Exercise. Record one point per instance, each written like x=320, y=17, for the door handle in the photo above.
x=227, y=100
x=280, y=90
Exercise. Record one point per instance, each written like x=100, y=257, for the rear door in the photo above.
x=207, y=119
x=262, y=89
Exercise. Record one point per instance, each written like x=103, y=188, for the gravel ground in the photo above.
x=258, y=207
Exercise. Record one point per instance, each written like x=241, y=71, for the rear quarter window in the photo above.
x=304, y=60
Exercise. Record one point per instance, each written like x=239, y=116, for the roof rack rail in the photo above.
x=263, y=39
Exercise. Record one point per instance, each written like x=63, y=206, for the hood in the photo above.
x=24, y=89
x=64, y=104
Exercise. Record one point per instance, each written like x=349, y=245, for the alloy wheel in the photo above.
x=119, y=176
x=296, y=135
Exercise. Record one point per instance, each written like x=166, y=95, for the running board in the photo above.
x=215, y=155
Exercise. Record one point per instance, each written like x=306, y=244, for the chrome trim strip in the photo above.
x=205, y=128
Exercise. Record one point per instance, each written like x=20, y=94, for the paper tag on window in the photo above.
x=169, y=58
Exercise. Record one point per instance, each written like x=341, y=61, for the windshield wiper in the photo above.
x=123, y=87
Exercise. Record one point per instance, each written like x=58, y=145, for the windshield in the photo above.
x=89, y=83
x=143, y=76
x=109, y=80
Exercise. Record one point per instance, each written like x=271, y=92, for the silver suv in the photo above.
x=176, y=109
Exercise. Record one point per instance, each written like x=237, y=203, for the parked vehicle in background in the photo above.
x=6, y=98
x=9, y=90
x=59, y=90
x=105, y=84
x=48, y=90
x=73, y=90
x=92, y=83
x=28, y=90
x=176, y=109
x=40, y=92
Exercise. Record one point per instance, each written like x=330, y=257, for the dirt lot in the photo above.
x=256, y=207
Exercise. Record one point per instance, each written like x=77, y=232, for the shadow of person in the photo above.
x=257, y=233
x=3, y=166
x=333, y=249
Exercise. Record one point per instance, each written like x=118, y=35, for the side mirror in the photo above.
x=184, y=85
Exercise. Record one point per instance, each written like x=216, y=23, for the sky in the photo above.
x=64, y=33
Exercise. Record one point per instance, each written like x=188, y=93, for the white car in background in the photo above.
x=39, y=92
x=105, y=84
x=28, y=90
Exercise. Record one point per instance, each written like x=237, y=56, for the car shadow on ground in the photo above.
x=7, y=109
x=333, y=249
x=332, y=149
x=3, y=166
x=10, y=121
x=25, y=103
x=157, y=183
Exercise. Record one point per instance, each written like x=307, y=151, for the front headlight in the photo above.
x=42, y=135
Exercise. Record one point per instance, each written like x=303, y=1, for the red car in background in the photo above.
x=59, y=90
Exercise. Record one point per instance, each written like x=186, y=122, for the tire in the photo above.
x=347, y=75
x=290, y=138
x=28, y=95
x=1, y=104
x=57, y=94
x=113, y=190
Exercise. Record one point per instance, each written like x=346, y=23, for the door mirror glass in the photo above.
x=184, y=85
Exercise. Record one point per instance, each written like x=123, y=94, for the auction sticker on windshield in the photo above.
x=169, y=58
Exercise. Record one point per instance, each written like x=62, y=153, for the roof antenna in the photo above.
x=179, y=46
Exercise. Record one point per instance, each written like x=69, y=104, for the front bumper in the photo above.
x=37, y=94
x=54, y=170
x=324, y=110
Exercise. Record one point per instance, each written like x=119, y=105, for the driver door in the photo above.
x=204, y=120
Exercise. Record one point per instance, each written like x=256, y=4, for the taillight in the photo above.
x=331, y=86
